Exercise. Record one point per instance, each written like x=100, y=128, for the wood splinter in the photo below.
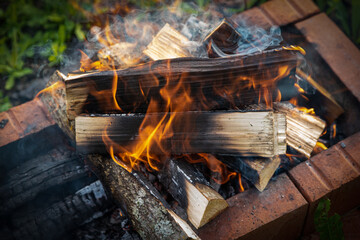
x=191, y=190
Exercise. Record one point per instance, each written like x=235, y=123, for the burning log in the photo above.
x=167, y=44
x=189, y=187
x=149, y=213
x=303, y=130
x=216, y=83
x=240, y=133
x=257, y=170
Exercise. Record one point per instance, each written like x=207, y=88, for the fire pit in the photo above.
x=195, y=126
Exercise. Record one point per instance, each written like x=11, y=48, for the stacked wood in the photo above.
x=167, y=44
x=189, y=187
x=302, y=129
x=214, y=83
x=241, y=133
x=149, y=213
x=258, y=171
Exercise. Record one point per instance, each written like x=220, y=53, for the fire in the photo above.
x=52, y=88
x=319, y=147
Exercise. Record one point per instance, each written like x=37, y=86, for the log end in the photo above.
x=266, y=172
x=209, y=204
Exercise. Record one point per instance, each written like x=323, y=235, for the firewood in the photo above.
x=190, y=188
x=149, y=213
x=241, y=133
x=55, y=101
x=167, y=44
x=58, y=219
x=303, y=130
x=49, y=171
x=257, y=170
x=217, y=83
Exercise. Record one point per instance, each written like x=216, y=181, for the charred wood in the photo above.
x=56, y=220
x=258, y=171
x=242, y=133
x=190, y=188
x=219, y=83
x=51, y=170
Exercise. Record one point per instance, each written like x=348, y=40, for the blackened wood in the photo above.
x=224, y=37
x=190, y=188
x=241, y=133
x=213, y=83
x=51, y=170
x=257, y=170
x=149, y=214
x=59, y=218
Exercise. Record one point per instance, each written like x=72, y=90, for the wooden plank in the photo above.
x=211, y=83
x=241, y=133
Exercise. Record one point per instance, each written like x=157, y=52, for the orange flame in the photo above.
x=319, y=147
x=57, y=85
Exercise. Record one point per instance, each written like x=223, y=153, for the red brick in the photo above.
x=284, y=12
x=276, y=213
x=23, y=120
x=335, y=48
x=254, y=16
x=333, y=173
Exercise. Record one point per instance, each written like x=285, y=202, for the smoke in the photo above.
x=139, y=27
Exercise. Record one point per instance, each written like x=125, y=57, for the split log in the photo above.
x=120, y=55
x=167, y=44
x=257, y=170
x=189, y=187
x=302, y=129
x=216, y=83
x=239, y=133
x=59, y=218
x=149, y=214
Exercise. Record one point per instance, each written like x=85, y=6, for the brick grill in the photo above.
x=285, y=209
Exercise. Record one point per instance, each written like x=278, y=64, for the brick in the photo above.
x=342, y=56
x=23, y=120
x=333, y=173
x=276, y=213
x=284, y=12
x=254, y=16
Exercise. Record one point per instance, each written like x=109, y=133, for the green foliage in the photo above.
x=329, y=228
x=27, y=24
x=4, y=102
x=346, y=14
